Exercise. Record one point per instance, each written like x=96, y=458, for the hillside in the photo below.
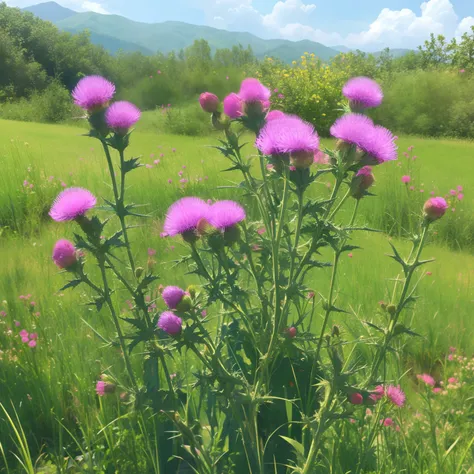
x=51, y=11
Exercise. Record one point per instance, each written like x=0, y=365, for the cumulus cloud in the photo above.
x=293, y=20
x=94, y=7
x=78, y=5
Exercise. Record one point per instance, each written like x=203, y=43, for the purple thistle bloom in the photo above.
x=172, y=296
x=380, y=145
x=93, y=92
x=225, y=214
x=352, y=128
x=122, y=115
x=252, y=90
x=288, y=134
x=274, y=114
x=184, y=215
x=170, y=323
x=396, y=395
x=233, y=106
x=64, y=254
x=72, y=203
x=363, y=92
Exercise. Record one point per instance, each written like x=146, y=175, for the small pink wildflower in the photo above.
x=350, y=255
x=32, y=343
x=452, y=192
x=412, y=188
x=151, y=252
x=34, y=336
x=452, y=349
x=406, y=179
x=396, y=395
x=203, y=313
x=156, y=162
x=437, y=390
x=459, y=188
x=460, y=196
x=387, y=422
x=356, y=398
x=25, y=339
x=427, y=379
x=170, y=181
x=453, y=380
x=17, y=324
x=429, y=274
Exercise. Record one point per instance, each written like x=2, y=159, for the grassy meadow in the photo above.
x=52, y=388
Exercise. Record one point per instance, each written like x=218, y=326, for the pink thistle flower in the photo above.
x=32, y=344
x=103, y=388
x=396, y=395
x=203, y=313
x=452, y=349
x=289, y=135
x=459, y=188
x=183, y=181
x=172, y=296
x=122, y=115
x=170, y=181
x=170, y=323
x=292, y=332
x=359, y=130
x=252, y=90
x=180, y=173
x=406, y=179
x=33, y=336
x=378, y=393
x=452, y=380
x=151, y=252
x=427, y=379
x=184, y=215
x=452, y=192
x=225, y=214
x=17, y=324
x=460, y=196
x=356, y=398
x=64, y=254
x=3, y=314
x=274, y=114
x=23, y=333
x=363, y=92
x=387, y=422
x=25, y=339
x=93, y=92
x=233, y=106
x=156, y=162
x=350, y=255
x=437, y=390
x=71, y=204
x=209, y=102
x=435, y=208
x=450, y=357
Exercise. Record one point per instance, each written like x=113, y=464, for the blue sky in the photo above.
x=365, y=24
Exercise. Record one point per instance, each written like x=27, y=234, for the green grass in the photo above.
x=70, y=356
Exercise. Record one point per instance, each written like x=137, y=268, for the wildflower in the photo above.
x=375, y=143
x=203, y=313
x=33, y=336
x=292, y=332
x=64, y=254
x=378, y=393
x=429, y=273
x=362, y=181
x=459, y=188
x=151, y=252
x=452, y=380
x=3, y=314
x=460, y=196
x=226, y=214
x=103, y=388
x=386, y=422
x=452, y=192
x=321, y=158
x=233, y=106
x=274, y=114
x=172, y=296
x=452, y=349
x=23, y=333
x=395, y=395
x=17, y=324
x=356, y=398
x=121, y=116
x=71, y=204
x=252, y=90
x=427, y=379
x=93, y=92
x=292, y=136
x=184, y=215
x=363, y=93
x=437, y=390
x=32, y=343
x=209, y=102
x=170, y=323
x=350, y=255
x=406, y=179
x=435, y=208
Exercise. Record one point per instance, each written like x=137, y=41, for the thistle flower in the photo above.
x=225, y=214
x=362, y=181
x=406, y=179
x=356, y=398
x=93, y=92
x=121, y=116
x=233, y=106
x=184, y=216
x=396, y=395
x=435, y=208
x=289, y=135
x=64, y=254
x=363, y=93
x=252, y=90
x=172, y=296
x=427, y=379
x=72, y=203
x=170, y=323
x=376, y=144
x=274, y=114
x=209, y=102
x=103, y=388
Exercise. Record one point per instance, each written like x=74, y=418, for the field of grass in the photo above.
x=53, y=387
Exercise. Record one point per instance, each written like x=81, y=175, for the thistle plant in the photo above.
x=274, y=379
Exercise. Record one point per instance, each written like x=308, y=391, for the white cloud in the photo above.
x=465, y=26
x=287, y=12
x=94, y=7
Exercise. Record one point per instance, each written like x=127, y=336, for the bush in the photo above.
x=52, y=105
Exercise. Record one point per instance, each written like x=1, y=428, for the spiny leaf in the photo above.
x=130, y=165
x=71, y=284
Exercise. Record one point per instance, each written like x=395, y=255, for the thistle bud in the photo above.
x=362, y=181
x=209, y=102
x=139, y=272
x=292, y=332
x=391, y=309
x=435, y=208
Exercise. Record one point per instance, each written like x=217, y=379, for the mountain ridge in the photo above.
x=116, y=32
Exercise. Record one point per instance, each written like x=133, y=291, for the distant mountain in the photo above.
x=50, y=11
